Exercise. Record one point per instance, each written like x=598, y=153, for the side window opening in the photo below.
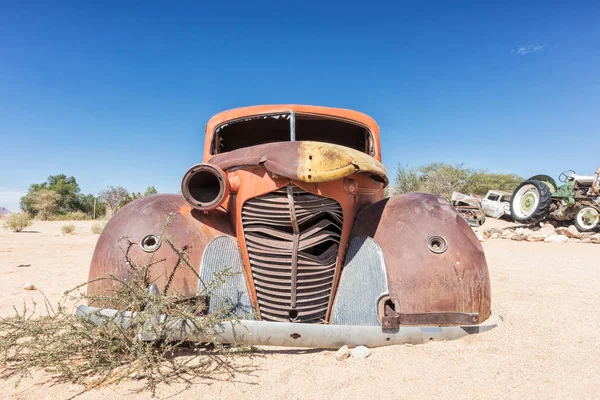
x=263, y=129
x=493, y=197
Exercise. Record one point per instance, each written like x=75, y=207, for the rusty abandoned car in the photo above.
x=291, y=198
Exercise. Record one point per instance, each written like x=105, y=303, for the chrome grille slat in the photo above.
x=282, y=313
x=280, y=272
x=292, y=237
x=306, y=295
x=279, y=284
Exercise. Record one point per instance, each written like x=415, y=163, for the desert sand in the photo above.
x=545, y=296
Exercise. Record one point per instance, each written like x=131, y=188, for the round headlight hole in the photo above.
x=437, y=244
x=150, y=243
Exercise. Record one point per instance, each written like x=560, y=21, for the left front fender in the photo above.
x=188, y=228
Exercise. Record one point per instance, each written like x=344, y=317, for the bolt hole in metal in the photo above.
x=293, y=314
x=437, y=244
x=150, y=243
x=295, y=335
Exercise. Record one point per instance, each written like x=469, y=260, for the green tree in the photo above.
x=407, y=180
x=442, y=179
x=150, y=190
x=87, y=205
x=66, y=189
x=482, y=181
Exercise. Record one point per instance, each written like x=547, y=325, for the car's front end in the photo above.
x=290, y=199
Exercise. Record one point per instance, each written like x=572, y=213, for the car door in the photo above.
x=492, y=206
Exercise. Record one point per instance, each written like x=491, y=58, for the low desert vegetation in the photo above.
x=442, y=179
x=99, y=350
x=17, y=222
x=72, y=216
x=68, y=229
x=97, y=228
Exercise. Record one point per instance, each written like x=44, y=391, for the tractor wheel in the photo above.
x=530, y=201
x=587, y=219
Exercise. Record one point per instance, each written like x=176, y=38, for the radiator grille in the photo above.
x=292, y=237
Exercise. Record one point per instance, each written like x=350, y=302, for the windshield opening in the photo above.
x=322, y=129
x=251, y=132
x=263, y=129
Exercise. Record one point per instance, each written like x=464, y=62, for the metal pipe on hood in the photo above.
x=205, y=186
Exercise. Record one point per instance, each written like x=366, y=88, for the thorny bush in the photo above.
x=76, y=350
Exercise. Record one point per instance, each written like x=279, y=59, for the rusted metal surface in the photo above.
x=311, y=162
x=189, y=228
x=292, y=238
x=469, y=207
x=393, y=320
x=205, y=186
x=421, y=281
x=293, y=208
x=257, y=181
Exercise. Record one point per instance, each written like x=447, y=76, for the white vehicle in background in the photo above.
x=496, y=203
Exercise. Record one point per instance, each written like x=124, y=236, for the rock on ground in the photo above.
x=361, y=352
x=343, y=353
x=556, y=239
x=570, y=232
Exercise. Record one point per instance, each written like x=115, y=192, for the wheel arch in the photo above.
x=187, y=229
x=421, y=280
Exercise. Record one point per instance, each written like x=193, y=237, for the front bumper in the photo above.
x=280, y=333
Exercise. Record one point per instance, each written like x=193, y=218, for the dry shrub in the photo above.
x=97, y=228
x=18, y=221
x=100, y=350
x=45, y=203
x=68, y=229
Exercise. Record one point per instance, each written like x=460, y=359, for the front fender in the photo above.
x=189, y=229
x=421, y=280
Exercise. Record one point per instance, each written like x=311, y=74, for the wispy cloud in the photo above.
x=524, y=50
x=9, y=198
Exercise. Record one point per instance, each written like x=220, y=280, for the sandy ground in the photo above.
x=546, y=295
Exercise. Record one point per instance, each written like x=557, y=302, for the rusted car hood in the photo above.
x=304, y=161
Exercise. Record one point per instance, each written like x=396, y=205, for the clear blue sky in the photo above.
x=118, y=94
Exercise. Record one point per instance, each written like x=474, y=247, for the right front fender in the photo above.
x=422, y=280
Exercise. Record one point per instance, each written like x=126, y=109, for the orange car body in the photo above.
x=299, y=205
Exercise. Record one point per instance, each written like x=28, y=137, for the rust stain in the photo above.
x=420, y=280
x=310, y=162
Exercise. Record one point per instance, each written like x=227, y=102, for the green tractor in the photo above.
x=577, y=200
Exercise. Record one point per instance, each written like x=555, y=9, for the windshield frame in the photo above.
x=293, y=115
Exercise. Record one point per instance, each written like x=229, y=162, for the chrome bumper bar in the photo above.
x=262, y=333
